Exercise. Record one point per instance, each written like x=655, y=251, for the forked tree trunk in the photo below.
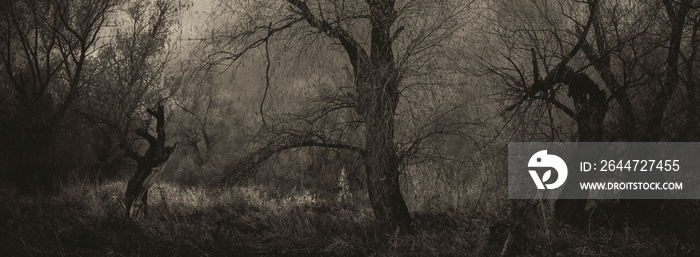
x=376, y=84
x=155, y=158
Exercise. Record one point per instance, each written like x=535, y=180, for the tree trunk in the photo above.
x=155, y=157
x=135, y=189
x=382, y=169
x=691, y=84
x=590, y=111
x=573, y=211
x=376, y=84
x=677, y=17
x=379, y=96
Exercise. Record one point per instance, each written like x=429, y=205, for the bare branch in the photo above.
x=351, y=46
x=558, y=69
x=243, y=168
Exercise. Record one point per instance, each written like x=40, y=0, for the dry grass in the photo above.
x=85, y=220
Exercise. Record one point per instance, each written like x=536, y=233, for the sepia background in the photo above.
x=332, y=127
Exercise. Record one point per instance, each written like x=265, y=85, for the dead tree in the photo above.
x=589, y=110
x=154, y=159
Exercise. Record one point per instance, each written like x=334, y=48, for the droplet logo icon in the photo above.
x=543, y=160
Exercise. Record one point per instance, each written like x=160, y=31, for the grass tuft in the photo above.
x=86, y=220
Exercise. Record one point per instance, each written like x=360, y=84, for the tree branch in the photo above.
x=560, y=106
x=351, y=46
x=560, y=67
x=243, y=168
x=214, y=58
x=143, y=133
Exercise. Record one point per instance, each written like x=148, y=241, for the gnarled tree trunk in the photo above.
x=155, y=158
x=376, y=84
x=590, y=111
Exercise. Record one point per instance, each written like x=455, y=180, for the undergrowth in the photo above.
x=86, y=220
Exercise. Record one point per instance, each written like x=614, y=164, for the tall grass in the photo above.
x=85, y=219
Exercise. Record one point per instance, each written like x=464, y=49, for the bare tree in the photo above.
x=134, y=85
x=200, y=101
x=45, y=50
x=152, y=161
x=677, y=13
x=611, y=62
x=370, y=34
x=590, y=102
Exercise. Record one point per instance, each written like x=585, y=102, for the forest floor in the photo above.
x=87, y=220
